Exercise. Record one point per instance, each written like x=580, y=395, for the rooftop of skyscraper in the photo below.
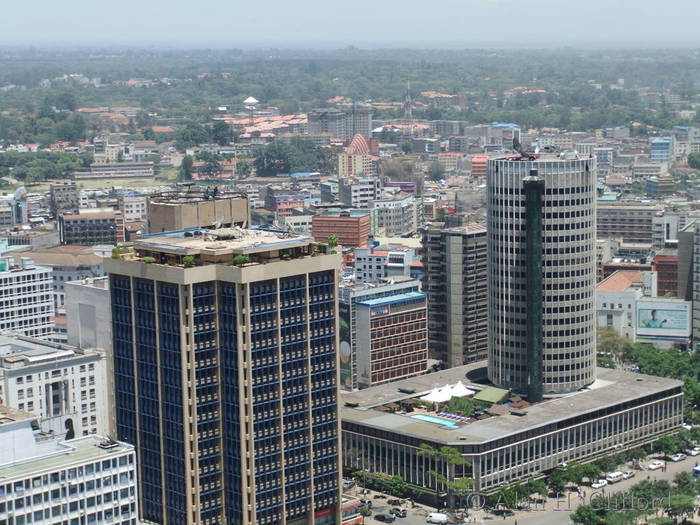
x=195, y=247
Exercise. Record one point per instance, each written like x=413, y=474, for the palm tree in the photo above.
x=451, y=458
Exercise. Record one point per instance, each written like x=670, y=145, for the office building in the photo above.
x=384, y=429
x=27, y=306
x=88, y=324
x=117, y=170
x=353, y=227
x=630, y=222
x=373, y=264
x=225, y=361
x=68, y=263
x=665, y=264
x=92, y=226
x=398, y=215
x=662, y=150
x=65, y=197
x=64, y=386
x=343, y=122
x=359, y=192
x=454, y=262
x=604, y=160
x=193, y=207
x=541, y=273
x=43, y=481
x=360, y=363
x=134, y=208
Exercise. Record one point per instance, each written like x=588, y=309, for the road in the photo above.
x=553, y=512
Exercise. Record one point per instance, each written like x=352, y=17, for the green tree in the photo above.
x=212, y=164
x=681, y=505
x=192, y=134
x=694, y=160
x=332, y=240
x=586, y=515
x=449, y=458
x=436, y=171
x=667, y=445
x=243, y=169
x=186, y=168
x=221, y=133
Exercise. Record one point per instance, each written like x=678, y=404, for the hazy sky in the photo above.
x=363, y=23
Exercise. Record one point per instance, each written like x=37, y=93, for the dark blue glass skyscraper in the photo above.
x=226, y=376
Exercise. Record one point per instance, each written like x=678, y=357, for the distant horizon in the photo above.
x=366, y=24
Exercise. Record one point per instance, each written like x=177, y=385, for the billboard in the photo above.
x=663, y=318
x=346, y=363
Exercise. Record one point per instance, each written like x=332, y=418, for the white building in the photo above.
x=627, y=302
x=26, y=302
x=135, y=209
x=372, y=264
x=64, y=386
x=397, y=216
x=359, y=192
x=68, y=263
x=88, y=480
x=297, y=223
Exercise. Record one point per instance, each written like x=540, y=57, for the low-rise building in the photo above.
x=43, y=481
x=64, y=386
x=351, y=226
x=372, y=264
x=383, y=431
x=92, y=226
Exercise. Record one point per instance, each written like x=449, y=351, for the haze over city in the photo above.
x=361, y=23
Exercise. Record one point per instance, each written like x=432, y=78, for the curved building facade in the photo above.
x=541, y=273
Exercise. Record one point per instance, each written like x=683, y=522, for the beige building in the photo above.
x=196, y=208
x=226, y=349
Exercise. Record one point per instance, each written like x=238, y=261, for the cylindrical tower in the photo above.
x=541, y=287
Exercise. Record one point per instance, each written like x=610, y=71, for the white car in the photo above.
x=627, y=474
x=656, y=465
x=687, y=426
x=694, y=451
x=599, y=484
x=678, y=457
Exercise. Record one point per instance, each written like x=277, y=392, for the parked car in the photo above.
x=599, y=484
x=366, y=502
x=656, y=465
x=694, y=451
x=627, y=474
x=687, y=426
x=398, y=512
x=614, y=477
x=437, y=517
x=678, y=456
x=385, y=518
x=504, y=512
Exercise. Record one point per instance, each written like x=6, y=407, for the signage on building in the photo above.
x=663, y=318
x=379, y=310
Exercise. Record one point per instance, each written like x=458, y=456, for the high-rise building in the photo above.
x=397, y=215
x=542, y=273
x=454, y=262
x=66, y=387
x=45, y=481
x=27, y=306
x=225, y=358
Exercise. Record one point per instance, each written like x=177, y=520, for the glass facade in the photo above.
x=233, y=394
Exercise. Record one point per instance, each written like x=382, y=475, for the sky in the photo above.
x=361, y=23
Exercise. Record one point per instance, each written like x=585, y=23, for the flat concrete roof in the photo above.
x=612, y=387
x=221, y=241
x=67, y=453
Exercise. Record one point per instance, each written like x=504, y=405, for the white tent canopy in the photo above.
x=459, y=390
x=447, y=392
